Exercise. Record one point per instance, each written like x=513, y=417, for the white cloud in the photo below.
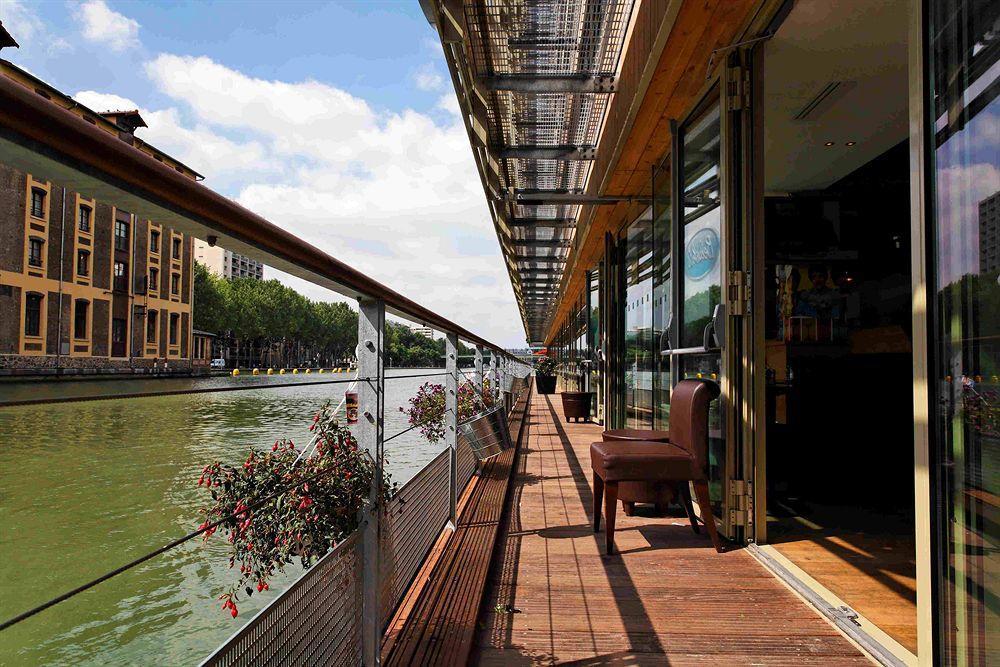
x=20, y=21
x=388, y=193
x=103, y=25
x=449, y=103
x=101, y=102
x=428, y=78
x=29, y=30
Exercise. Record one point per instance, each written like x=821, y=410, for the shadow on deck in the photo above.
x=666, y=598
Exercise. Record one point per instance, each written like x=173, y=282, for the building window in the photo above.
x=177, y=248
x=33, y=315
x=154, y=280
x=175, y=321
x=151, y=326
x=121, y=277
x=154, y=242
x=37, y=202
x=118, y=330
x=80, y=319
x=35, y=246
x=84, y=219
x=82, y=263
x=121, y=235
x=175, y=284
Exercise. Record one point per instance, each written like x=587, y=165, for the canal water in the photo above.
x=87, y=486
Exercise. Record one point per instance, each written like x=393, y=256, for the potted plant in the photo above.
x=282, y=503
x=545, y=375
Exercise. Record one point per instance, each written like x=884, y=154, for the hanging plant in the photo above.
x=278, y=506
x=427, y=410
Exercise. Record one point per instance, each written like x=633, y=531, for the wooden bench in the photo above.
x=436, y=622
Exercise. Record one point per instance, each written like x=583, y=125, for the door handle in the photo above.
x=714, y=337
x=665, y=347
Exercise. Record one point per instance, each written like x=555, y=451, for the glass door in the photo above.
x=696, y=327
x=699, y=271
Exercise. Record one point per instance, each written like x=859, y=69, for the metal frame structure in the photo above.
x=534, y=82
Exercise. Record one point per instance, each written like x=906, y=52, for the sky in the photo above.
x=336, y=121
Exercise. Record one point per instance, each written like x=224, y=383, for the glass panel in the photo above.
x=965, y=114
x=638, y=323
x=662, y=293
x=706, y=366
x=702, y=231
x=593, y=331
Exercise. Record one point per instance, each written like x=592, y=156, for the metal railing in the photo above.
x=334, y=614
x=320, y=619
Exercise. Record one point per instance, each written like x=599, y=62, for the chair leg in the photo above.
x=598, y=498
x=610, y=508
x=684, y=498
x=628, y=508
x=705, y=503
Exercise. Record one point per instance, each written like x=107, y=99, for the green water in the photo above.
x=88, y=486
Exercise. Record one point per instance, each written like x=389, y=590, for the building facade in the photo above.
x=227, y=263
x=798, y=201
x=84, y=283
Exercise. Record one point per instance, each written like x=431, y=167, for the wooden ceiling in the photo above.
x=664, y=72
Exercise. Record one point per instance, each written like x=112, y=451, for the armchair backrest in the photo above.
x=689, y=403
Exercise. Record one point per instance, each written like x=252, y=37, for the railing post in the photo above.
x=451, y=420
x=494, y=383
x=370, y=433
x=479, y=370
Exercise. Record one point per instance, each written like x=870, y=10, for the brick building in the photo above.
x=85, y=284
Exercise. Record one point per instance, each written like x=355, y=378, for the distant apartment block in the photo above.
x=989, y=234
x=227, y=263
x=85, y=283
x=426, y=332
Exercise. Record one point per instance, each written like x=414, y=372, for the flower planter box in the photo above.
x=576, y=404
x=545, y=384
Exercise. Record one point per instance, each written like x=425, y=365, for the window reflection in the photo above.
x=964, y=42
x=701, y=226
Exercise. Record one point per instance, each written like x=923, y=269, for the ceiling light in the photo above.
x=829, y=143
x=850, y=143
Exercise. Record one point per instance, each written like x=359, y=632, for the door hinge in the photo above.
x=739, y=293
x=740, y=502
x=737, y=88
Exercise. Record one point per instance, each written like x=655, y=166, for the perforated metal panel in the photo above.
x=315, y=622
x=415, y=517
x=542, y=43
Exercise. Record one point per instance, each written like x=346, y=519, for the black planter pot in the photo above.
x=546, y=384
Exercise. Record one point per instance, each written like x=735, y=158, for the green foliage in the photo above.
x=545, y=366
x=271, y=324
x=266, y=323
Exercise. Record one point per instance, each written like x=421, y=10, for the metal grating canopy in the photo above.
x=545, y=71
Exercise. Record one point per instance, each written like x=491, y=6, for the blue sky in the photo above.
x=334, y=120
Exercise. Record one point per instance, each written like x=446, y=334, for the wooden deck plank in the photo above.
x=667, y=596
x=437, y=622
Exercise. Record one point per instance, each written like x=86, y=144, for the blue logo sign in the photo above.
x=702, y=254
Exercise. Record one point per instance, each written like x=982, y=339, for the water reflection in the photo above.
x=87, y=486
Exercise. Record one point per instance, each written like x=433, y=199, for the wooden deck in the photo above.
x=666, y=598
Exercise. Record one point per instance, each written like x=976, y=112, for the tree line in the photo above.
x=263, y=323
